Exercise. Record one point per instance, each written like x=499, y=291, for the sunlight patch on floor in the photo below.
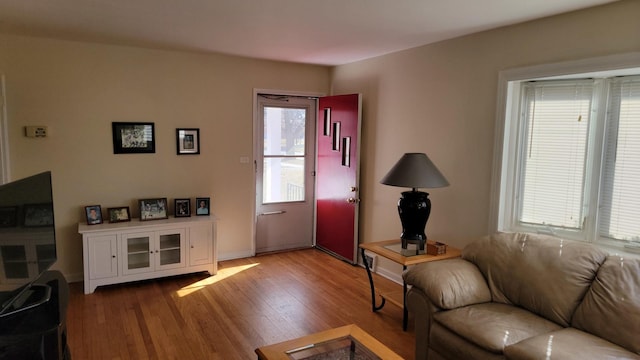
x=221, y=275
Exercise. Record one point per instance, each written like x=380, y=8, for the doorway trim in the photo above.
x=255, y=150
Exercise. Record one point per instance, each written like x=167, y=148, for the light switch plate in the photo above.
x=35, y=131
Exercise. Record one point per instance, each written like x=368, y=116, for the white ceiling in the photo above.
x=327, y=32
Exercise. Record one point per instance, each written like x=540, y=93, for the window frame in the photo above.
x=503, y=212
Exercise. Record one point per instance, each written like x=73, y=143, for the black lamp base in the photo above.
x=414, y=208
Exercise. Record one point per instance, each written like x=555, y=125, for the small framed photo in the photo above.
x=119, y=214
x=182, y=207
x=8, y=216
x=188, y=141
x=203, y=206
x=94, y=214
x=133, y=138
x=153, y=209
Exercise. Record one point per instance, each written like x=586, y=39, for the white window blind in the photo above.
x=555, y=136
x=619, y=216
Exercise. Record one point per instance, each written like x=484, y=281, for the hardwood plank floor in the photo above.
x=250, y=303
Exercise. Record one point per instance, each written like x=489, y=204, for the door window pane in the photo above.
x=284, y=131
x=283, y=179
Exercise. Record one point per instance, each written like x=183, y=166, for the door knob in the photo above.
x=353, y=200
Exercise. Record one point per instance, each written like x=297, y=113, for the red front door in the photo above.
x=337, y=178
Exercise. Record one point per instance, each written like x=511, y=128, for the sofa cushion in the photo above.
x=611, y=308
x=567, y=344
x=449, y=283
x=546, y=275
x=492, y=326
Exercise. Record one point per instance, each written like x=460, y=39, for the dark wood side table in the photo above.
x=392, y=250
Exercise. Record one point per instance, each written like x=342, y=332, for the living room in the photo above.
x=439, y=99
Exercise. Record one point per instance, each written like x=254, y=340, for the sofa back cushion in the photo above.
x=611, y=308
x=543, y=274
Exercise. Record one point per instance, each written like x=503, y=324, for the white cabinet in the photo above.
x=138, y=250
x=103, y=253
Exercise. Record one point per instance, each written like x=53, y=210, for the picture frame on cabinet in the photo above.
x=153, y=209
x=203, y=206
x=119, y=214
x=182, y=207
x=188, y=141
x=93, y=214
x=133, y=137
x=8, y=216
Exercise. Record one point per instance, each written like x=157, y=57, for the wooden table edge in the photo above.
x=378, y=247
x=278, y=351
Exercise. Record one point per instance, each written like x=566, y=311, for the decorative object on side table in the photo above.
x=119, y=214
x=182, y=207
x=203, y=206
x=188, y=141
x=133, y=138
x=414, y=170
x=93, y=214
x=153, y=209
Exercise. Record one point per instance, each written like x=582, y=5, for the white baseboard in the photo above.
x=234, y=255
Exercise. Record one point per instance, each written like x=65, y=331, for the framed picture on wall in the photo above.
x=119, y=214
x=188, y=141
x=153, y=209
x=133, y=138
x=203, y=206
x=182, y=207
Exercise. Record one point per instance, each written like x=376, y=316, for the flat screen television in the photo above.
x=27, y=238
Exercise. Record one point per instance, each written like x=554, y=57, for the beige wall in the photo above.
x=441, y=99
x=77, y=90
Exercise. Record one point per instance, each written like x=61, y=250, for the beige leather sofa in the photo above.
x=524, y=296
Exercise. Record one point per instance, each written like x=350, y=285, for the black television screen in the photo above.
x=27, y=235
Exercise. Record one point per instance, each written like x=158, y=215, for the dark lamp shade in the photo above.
x=415, y=170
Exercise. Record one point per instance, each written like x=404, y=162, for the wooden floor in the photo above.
x=250, y=303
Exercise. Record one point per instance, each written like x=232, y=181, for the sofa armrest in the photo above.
x=449, y=284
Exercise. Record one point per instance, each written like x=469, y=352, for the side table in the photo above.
x=392, y=250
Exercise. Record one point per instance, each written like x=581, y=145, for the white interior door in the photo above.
x=285, y=165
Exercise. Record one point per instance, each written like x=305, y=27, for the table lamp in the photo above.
x=414, y=170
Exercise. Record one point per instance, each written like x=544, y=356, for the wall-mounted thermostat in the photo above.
x=35, y=131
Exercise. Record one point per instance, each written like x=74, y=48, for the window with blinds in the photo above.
x=556, y=116
x=578, y=169
x=619, y=216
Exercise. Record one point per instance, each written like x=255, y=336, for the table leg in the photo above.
x=374, y=308
x=405, y=311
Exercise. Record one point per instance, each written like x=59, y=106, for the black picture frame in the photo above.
x=133, y=137
x=188, y=141
x=153, y=209
x=93, y=214
x=203, y=206
x=119, y=214
x=182, y=207
x=8, y=216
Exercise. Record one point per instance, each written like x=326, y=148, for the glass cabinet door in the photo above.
x=170, y=249
x=138, y=252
